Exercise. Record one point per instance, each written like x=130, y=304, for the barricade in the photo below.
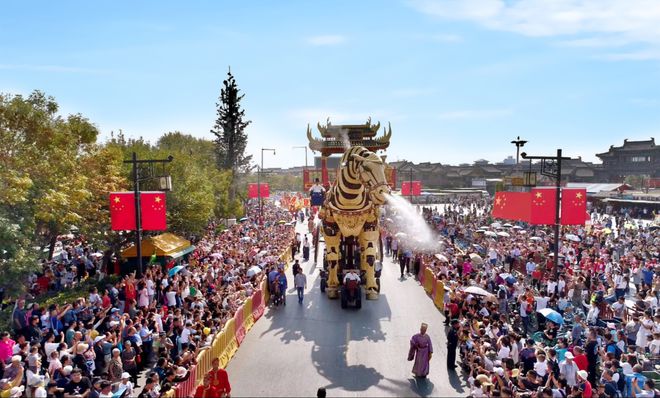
x=248, y=319
x=265, y=291
x=230, y=344
x=187, y=388
x=257, y=304
x=428, y=280
x=439, y=295
x=422, y=272
x=239, y=328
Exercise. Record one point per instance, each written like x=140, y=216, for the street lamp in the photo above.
x=261, y=210
x=519, y=144
x=551, y=167
x=165, y=183
x=305, y=169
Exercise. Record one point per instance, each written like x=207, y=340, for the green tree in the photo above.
x=229, y=130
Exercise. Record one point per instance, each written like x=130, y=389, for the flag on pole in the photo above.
x=511, y=206
x=153, y=211
x=543, y=206
x=265, y=190
x=416, y=188
x=122, y=211
x=573, y=206
x=405, y=188
x=252, y=191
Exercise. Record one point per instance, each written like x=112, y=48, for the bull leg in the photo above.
x=332, y=239
x=369, y=242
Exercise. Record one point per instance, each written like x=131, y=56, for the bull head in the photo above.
x=372, y=174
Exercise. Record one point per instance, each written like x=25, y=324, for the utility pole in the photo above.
x=519, y=144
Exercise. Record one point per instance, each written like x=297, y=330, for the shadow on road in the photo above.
x=331, y=329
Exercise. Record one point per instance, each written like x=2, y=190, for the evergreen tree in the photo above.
x=229, y=130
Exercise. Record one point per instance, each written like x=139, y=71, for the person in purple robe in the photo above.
x=421, y=350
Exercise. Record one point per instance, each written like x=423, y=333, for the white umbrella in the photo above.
x=517, y=227
x=97, y=255
x=572, y=237
x=507, y=225
x=478, y=291
x=216, y=255
x=441, y=257
x=254, y=270
x=522, y=231
x=490, y=233
x=484, y=227
x=496, y=225
x=503, y=234
x=479, y=231
x=536, y=238
x=476, y=259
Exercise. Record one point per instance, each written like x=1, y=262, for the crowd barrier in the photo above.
x=439, y=295
x=428, y=280
x=226, y=342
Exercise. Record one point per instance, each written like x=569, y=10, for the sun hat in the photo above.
x=569, y=355
x=583, y=374
x=125, y=375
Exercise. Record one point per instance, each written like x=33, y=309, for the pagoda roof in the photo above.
x=333, y=137
x=643, y=145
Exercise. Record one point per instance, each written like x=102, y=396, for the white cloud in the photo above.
x=474, y=114
x=326, y=40
x=582, y=23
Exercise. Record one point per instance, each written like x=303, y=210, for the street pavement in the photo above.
x=295, y=349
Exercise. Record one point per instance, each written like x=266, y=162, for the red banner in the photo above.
x=416, y=188
x=573, y=206
x=154, y=211
x=543, y=206
x=512, y=206
x=122, y=211
x=253, y=193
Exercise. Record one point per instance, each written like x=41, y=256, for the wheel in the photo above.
x=344, y=304
x=378, y=284
x=323, y=285
x=358, y=303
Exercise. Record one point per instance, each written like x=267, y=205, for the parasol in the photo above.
x=536, y=238
x=441, y=257
x=572, y=237
x=517, y=227
x=552, y=315
x=254, y=270
x=281, y=222
x=490, y=233
x=484, y=227
x=503, y=234
x=478, y=291
x=243, y=219
x=522, y=231
x=479, y=231
x=476, y=259
x=507, y=225
x=175, y=270
x=216, y=255
x=496, y=225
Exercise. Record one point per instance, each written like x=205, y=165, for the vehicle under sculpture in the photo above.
x=350, y=222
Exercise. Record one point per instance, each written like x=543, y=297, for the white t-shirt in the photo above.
x=185, y=336
x=541, y=302
x=171, y=298
x=503, y=353
x=541, y=368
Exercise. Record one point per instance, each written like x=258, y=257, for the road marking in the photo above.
x=348, y=339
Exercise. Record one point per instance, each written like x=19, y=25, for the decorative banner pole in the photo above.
x=551, y=167
x=149, y=174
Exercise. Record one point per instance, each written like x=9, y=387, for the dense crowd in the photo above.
x=591, y=328
x=97, y=345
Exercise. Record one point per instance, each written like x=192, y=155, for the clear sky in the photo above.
x=457, y=79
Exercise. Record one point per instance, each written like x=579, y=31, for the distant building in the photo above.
x=633, y=158
x=509, y=161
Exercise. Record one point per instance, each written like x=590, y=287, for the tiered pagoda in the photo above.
x=334, y=139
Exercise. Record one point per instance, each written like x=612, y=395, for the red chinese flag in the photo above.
x=543, y=206
x=153, y=211
x=573, y=206
x=416, y=188
x=122, y=211
x=252, y=191
x=511, y=206
x=265, y=190
x=405, y=188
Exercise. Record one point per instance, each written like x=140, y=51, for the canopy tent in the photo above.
x=165, y=245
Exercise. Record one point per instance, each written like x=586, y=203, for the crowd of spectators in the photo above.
x=499, y=280
x=156, y=325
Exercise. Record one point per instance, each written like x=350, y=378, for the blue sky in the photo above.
x=457, y=80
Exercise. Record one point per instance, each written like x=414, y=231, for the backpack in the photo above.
x=617, y=350
x=621, y=384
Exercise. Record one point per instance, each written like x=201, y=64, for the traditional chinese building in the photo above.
x=334, y=140
x=633, y=158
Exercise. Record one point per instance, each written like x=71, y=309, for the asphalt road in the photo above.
x=293, y=350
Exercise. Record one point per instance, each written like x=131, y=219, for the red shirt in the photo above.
x=220, y=380
x=581, y=361
x=43, y=282
x=206, y=392
x=453, y=309
x=587, y=390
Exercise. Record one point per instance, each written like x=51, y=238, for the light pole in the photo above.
x=519, y=144
x=136, y=188
x=305, y=169
x=261, y=209
x=551, y=167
